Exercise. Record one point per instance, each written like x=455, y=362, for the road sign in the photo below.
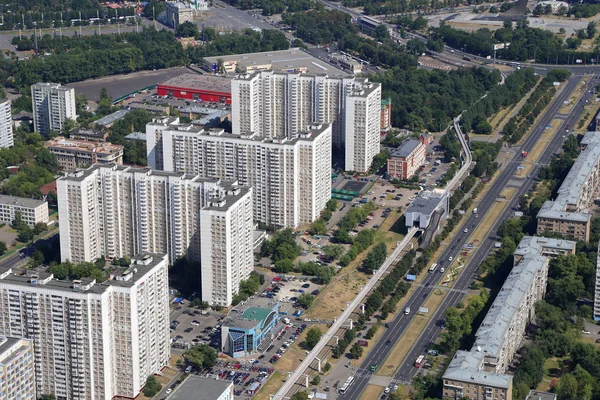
x=499, y=46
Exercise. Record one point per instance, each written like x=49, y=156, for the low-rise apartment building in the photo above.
x=481, y=372
x=76, y=154
x=17, y=377
x=290, y=177
x=569, y=213
x=406, y=160
x=116, y=211
x=32, y=211
x=92, y=340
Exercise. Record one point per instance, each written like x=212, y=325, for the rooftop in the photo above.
x=211, y=389
x=407, y=147
x=191, y=81
x=570, y=204
x=253, y=315
x=136, y=136
x=193, y=129
x=20, y=201
x=537, y=395
x=60, y=142
x=464, y=367
x=493, y=332
x=425, y=204
x=289, y=60
x=140, y=266
x=88, y=133
x=110, y=118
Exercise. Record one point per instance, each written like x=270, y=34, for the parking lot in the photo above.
x=190, y=327
x=151, y=98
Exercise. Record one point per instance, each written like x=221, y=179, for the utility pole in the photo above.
x=80, y=21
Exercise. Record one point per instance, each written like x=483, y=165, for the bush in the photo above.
x=152, y=386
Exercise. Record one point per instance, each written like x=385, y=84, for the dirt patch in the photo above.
x=371, y=392
x=294, y=355
x=344, y=287
x=271, y=386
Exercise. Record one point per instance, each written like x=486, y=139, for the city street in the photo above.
x=432, y=330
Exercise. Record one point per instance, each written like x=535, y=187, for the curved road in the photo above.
x=432, y=330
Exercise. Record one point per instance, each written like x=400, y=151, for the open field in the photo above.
x=294, y=355
x=371, y=392
x=346, y=285
x=271, y=386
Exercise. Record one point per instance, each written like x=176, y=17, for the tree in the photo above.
x=47, y=159
x=382, y=33
x=152, y=386
x=319, y=227
x=300, y=396
x=305, y=300
x=187, y=29
x=356, y=350
x=67, y=127
x=3, y=248
x=313, y=335
x=201, y=356
x=332, y=205
x=47, y=397
x=283, y=266
x=591, y=30
x=333, y=251
x=316, y=380
x=25, y=235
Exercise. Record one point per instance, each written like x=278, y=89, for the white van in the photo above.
x=407, y=311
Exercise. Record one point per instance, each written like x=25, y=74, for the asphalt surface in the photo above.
x=433, y=328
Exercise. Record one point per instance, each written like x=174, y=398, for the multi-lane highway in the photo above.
x=416, y=300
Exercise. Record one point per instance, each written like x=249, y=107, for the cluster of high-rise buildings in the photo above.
x=200, y=198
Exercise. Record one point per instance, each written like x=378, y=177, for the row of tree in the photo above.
x=519, y=125
x=526, y=43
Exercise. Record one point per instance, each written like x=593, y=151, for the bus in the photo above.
x=432, y=268
x=346, y=386
x=419, y=361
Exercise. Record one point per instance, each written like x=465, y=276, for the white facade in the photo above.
x=6, y=124
x=116, y=211
x=277, y=104
x=597, y=289
x=362, y=126
x=32, y=211
x=92, y=340
x=290, y=177
x=52, y=105
x=17, y=377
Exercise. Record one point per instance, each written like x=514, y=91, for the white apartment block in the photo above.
x=362, y=126
x=17, y=376
x=52, y=105
x=275, y=104
x=116, y=211
x=6, y=124
x=482, y=370
x=32, y=211
x=92, y=340
x=290, y=177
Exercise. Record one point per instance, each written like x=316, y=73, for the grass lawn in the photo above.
x=271, y=386
x=294, y=355
x=342, y=289
x=371, y=392
x=551, y=367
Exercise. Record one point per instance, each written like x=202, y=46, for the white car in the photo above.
x=450, y=258
x=466, y=230
x=586, y=332
x=169, y=390
x=387, y=390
